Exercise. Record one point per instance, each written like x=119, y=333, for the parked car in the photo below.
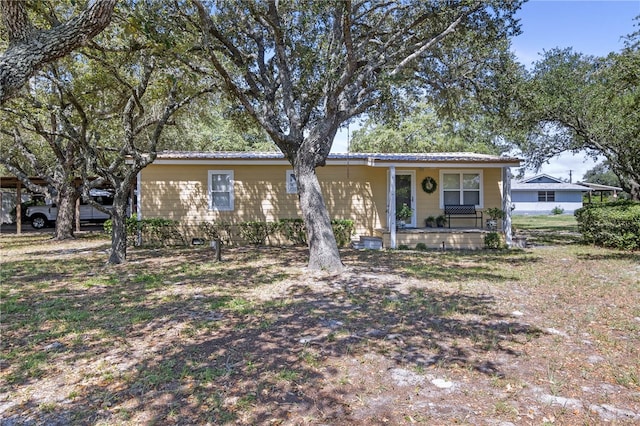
x=45, y=215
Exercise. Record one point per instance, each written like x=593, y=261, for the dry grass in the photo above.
x=547, y=335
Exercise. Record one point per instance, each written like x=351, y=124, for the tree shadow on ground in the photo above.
x=611, y=255
x=183, y=345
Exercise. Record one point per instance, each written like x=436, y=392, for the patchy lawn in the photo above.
x=547, y=229
x=546, y=335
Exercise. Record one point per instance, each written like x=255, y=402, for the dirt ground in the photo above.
x=546, y=335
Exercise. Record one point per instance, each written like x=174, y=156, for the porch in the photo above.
x=435, y=238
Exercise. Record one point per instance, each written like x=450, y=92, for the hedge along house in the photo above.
x=235, y=187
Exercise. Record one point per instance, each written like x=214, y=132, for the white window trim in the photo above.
x=546, y=196
x=231, y=192
x=460, y=172
x=390, y=200
x=291, y=188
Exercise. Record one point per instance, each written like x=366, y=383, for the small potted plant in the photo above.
x=430, y=221
x=403, y=214
x=441, y=221
x=494, y=214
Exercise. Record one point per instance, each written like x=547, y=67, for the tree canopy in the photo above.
x=424, y=131
x=29, y=47
x=575, y=102
x=302, y=69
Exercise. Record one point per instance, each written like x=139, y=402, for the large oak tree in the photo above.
x=304, y=68
x=39, y=138
x=30, y=47
x=574, y=102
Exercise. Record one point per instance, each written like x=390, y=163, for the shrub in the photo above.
x=557, y=210
x=294, y=231
x=131, y=224
x=615, y=225
x=161, y=232
x=257, y=232
x=217, y=230
x=153, y=231
x=495, y=213
x=342, y=230
x=492, y=240
x=421, y=246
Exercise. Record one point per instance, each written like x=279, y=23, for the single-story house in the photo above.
x=195, y=187
x=541, y=194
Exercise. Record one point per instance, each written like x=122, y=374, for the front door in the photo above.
x=405, y=194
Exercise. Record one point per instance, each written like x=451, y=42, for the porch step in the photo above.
x=370, y=243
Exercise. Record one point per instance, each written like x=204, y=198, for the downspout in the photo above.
x=506, y=205
x=391, y=216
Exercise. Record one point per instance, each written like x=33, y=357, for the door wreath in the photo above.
x=429, y=185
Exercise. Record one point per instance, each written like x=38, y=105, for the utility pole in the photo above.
x=570, y=176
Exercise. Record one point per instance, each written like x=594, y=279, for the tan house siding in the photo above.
x=356, y=192
x=492, y=188
x=355, y=186
x=180, y=193
x=434, y=239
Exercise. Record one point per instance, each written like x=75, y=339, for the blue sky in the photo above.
x=590, y=27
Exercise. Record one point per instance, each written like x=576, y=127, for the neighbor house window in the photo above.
x=546, y=196
x=464, y=187
x=221, y=190
x=292, y=184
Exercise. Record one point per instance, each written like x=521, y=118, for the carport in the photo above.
x=12, y=182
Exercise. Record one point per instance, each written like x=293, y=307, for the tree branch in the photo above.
x=29, y=48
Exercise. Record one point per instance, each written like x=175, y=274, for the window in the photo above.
x=292, y=184
x=546, y=196
x=463, y=187
x=221, y=190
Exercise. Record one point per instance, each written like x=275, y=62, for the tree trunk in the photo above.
x=323, y=249
x=29, y=49
x=118, y=252
x=634, y=190
x=66, y=202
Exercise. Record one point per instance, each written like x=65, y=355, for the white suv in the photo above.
x=41, y=216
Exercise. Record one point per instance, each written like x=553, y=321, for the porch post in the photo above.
x=139, y=208
x=506, y=205
x=77, y=221
x=391, y=218
x=19, y=207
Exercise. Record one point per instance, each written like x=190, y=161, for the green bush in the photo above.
x=492, y=240
x=342, y=230
x=131, y=225
x=615, y=225
x=161, y=232
x=557, y=210
x=257, y=232
x=217, y=230
x=294, y=231
x=421, y=246
x=153, y=231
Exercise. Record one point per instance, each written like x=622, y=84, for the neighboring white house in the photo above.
x=542, y=193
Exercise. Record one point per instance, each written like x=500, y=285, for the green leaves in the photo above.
x=575, y=102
